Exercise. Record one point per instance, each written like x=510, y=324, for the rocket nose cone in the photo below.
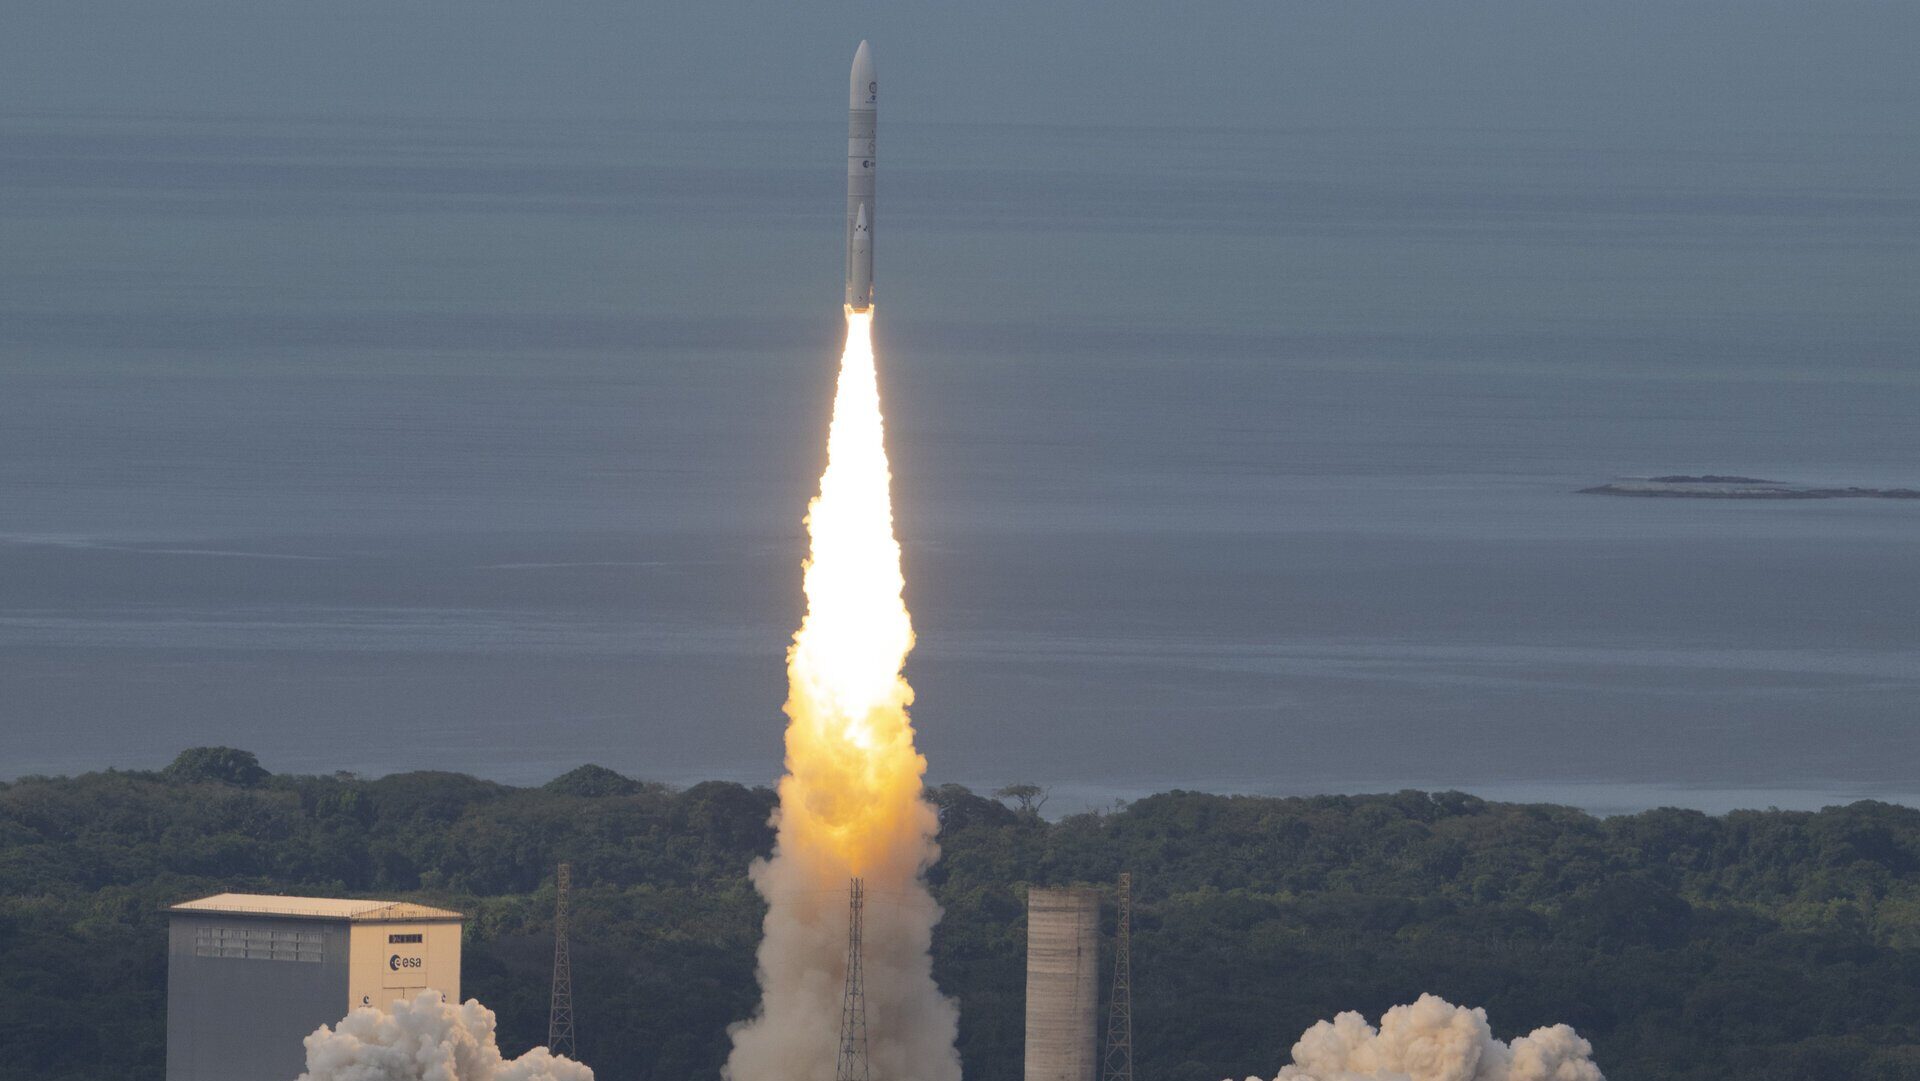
x=862, y=91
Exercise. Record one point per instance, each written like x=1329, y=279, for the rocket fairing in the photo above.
x=863, y=95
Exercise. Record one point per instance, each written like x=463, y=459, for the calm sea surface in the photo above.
x=1237, y=460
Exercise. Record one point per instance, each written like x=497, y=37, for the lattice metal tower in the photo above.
x=560, y=1015
x=854, y=1065
x=1119, y=1064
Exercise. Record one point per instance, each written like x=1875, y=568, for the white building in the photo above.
x=249, y=976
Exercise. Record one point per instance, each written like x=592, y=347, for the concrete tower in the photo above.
x=1063, y=991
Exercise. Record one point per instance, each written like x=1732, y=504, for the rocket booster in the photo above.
x=862, y=97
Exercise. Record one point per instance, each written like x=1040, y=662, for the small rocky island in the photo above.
x=1712, y=486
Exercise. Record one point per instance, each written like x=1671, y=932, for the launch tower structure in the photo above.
x=854, y=1065
x=560, y=1013
x=1119, y=1063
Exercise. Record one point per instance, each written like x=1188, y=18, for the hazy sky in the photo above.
x=1758, y=64
x=405, y=372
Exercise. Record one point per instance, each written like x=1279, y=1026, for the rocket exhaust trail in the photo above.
x=851, y=803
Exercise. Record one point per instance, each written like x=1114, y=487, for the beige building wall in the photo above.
x=250, y=975
x=1063, y=992
x=388, y=962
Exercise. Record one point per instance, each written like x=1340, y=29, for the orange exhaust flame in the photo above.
x=851, y=802
x=852, y=788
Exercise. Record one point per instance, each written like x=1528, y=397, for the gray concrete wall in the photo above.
x=1063, y=991
x=244, y=991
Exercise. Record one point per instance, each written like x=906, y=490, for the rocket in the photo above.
x=863, y=94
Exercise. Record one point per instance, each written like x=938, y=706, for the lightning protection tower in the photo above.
x=854, y=1065
x=1119, y=1064
x=560, y=1014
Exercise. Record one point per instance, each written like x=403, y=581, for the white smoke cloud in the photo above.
x=795, y=1035
x=426, y=1040
x=1434, y=1040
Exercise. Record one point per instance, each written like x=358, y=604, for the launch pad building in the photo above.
x=249, y=976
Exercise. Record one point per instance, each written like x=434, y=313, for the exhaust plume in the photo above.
x=850, y=803
x=1434, y=1040
x=426, y=1040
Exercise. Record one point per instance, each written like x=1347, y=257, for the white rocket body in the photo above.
x=862, y=98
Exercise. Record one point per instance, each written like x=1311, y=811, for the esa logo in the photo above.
x=397, y=962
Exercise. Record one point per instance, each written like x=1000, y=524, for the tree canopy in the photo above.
x=1756, y=945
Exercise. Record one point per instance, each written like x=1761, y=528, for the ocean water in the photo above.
x=1242, y=460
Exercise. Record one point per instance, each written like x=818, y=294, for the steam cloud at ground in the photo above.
x=1434, y=1040
x=426, y=1040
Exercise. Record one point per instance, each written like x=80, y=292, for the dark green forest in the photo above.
x=1758, y=945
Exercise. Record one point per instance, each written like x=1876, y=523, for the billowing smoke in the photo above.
x=1434, y=1040
x=426, y=1040
x=851, y=803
